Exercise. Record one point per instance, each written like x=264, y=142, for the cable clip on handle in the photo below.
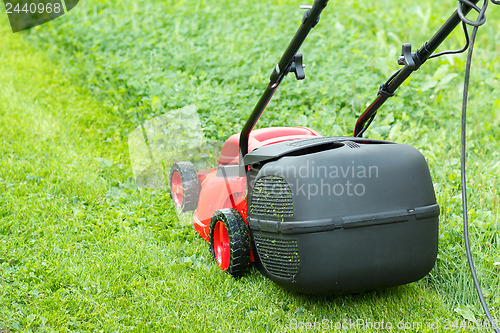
x=297, y=67
x=408, y=58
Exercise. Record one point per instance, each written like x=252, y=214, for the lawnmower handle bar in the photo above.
x=416, y=60
x=310, y=19
x=412, y=62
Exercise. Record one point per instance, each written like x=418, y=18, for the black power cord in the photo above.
x=481, y=19
x=366, y=119
x=467, y=41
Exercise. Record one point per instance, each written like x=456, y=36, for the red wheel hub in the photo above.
x=221, y=245
x=177, y=191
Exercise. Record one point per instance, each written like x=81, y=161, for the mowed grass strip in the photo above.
x=72, y=245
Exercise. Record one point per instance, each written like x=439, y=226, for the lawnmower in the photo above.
x=321, y=214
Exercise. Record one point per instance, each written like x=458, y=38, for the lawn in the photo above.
x=82, y=248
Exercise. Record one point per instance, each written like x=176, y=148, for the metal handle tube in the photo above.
x=423, y=54
x=281, y=69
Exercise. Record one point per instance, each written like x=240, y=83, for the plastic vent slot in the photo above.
x=280, y=257
x=271, y=198
x=351, y=144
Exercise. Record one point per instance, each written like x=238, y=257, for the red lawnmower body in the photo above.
x=230, y=192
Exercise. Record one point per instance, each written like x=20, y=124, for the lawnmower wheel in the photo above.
x=230, y=241
x=184, y=186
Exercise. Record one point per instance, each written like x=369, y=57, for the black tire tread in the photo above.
x=190, y=185
x=239, y=240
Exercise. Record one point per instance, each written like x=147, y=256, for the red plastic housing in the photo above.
x=221, y=192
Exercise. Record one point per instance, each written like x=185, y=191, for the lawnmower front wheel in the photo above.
x=184, y=186
x=230, y=241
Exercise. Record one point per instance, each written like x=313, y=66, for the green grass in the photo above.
x=82, y=249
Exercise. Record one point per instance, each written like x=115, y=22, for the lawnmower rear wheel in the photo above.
x=230, y=241
x=184, y=186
